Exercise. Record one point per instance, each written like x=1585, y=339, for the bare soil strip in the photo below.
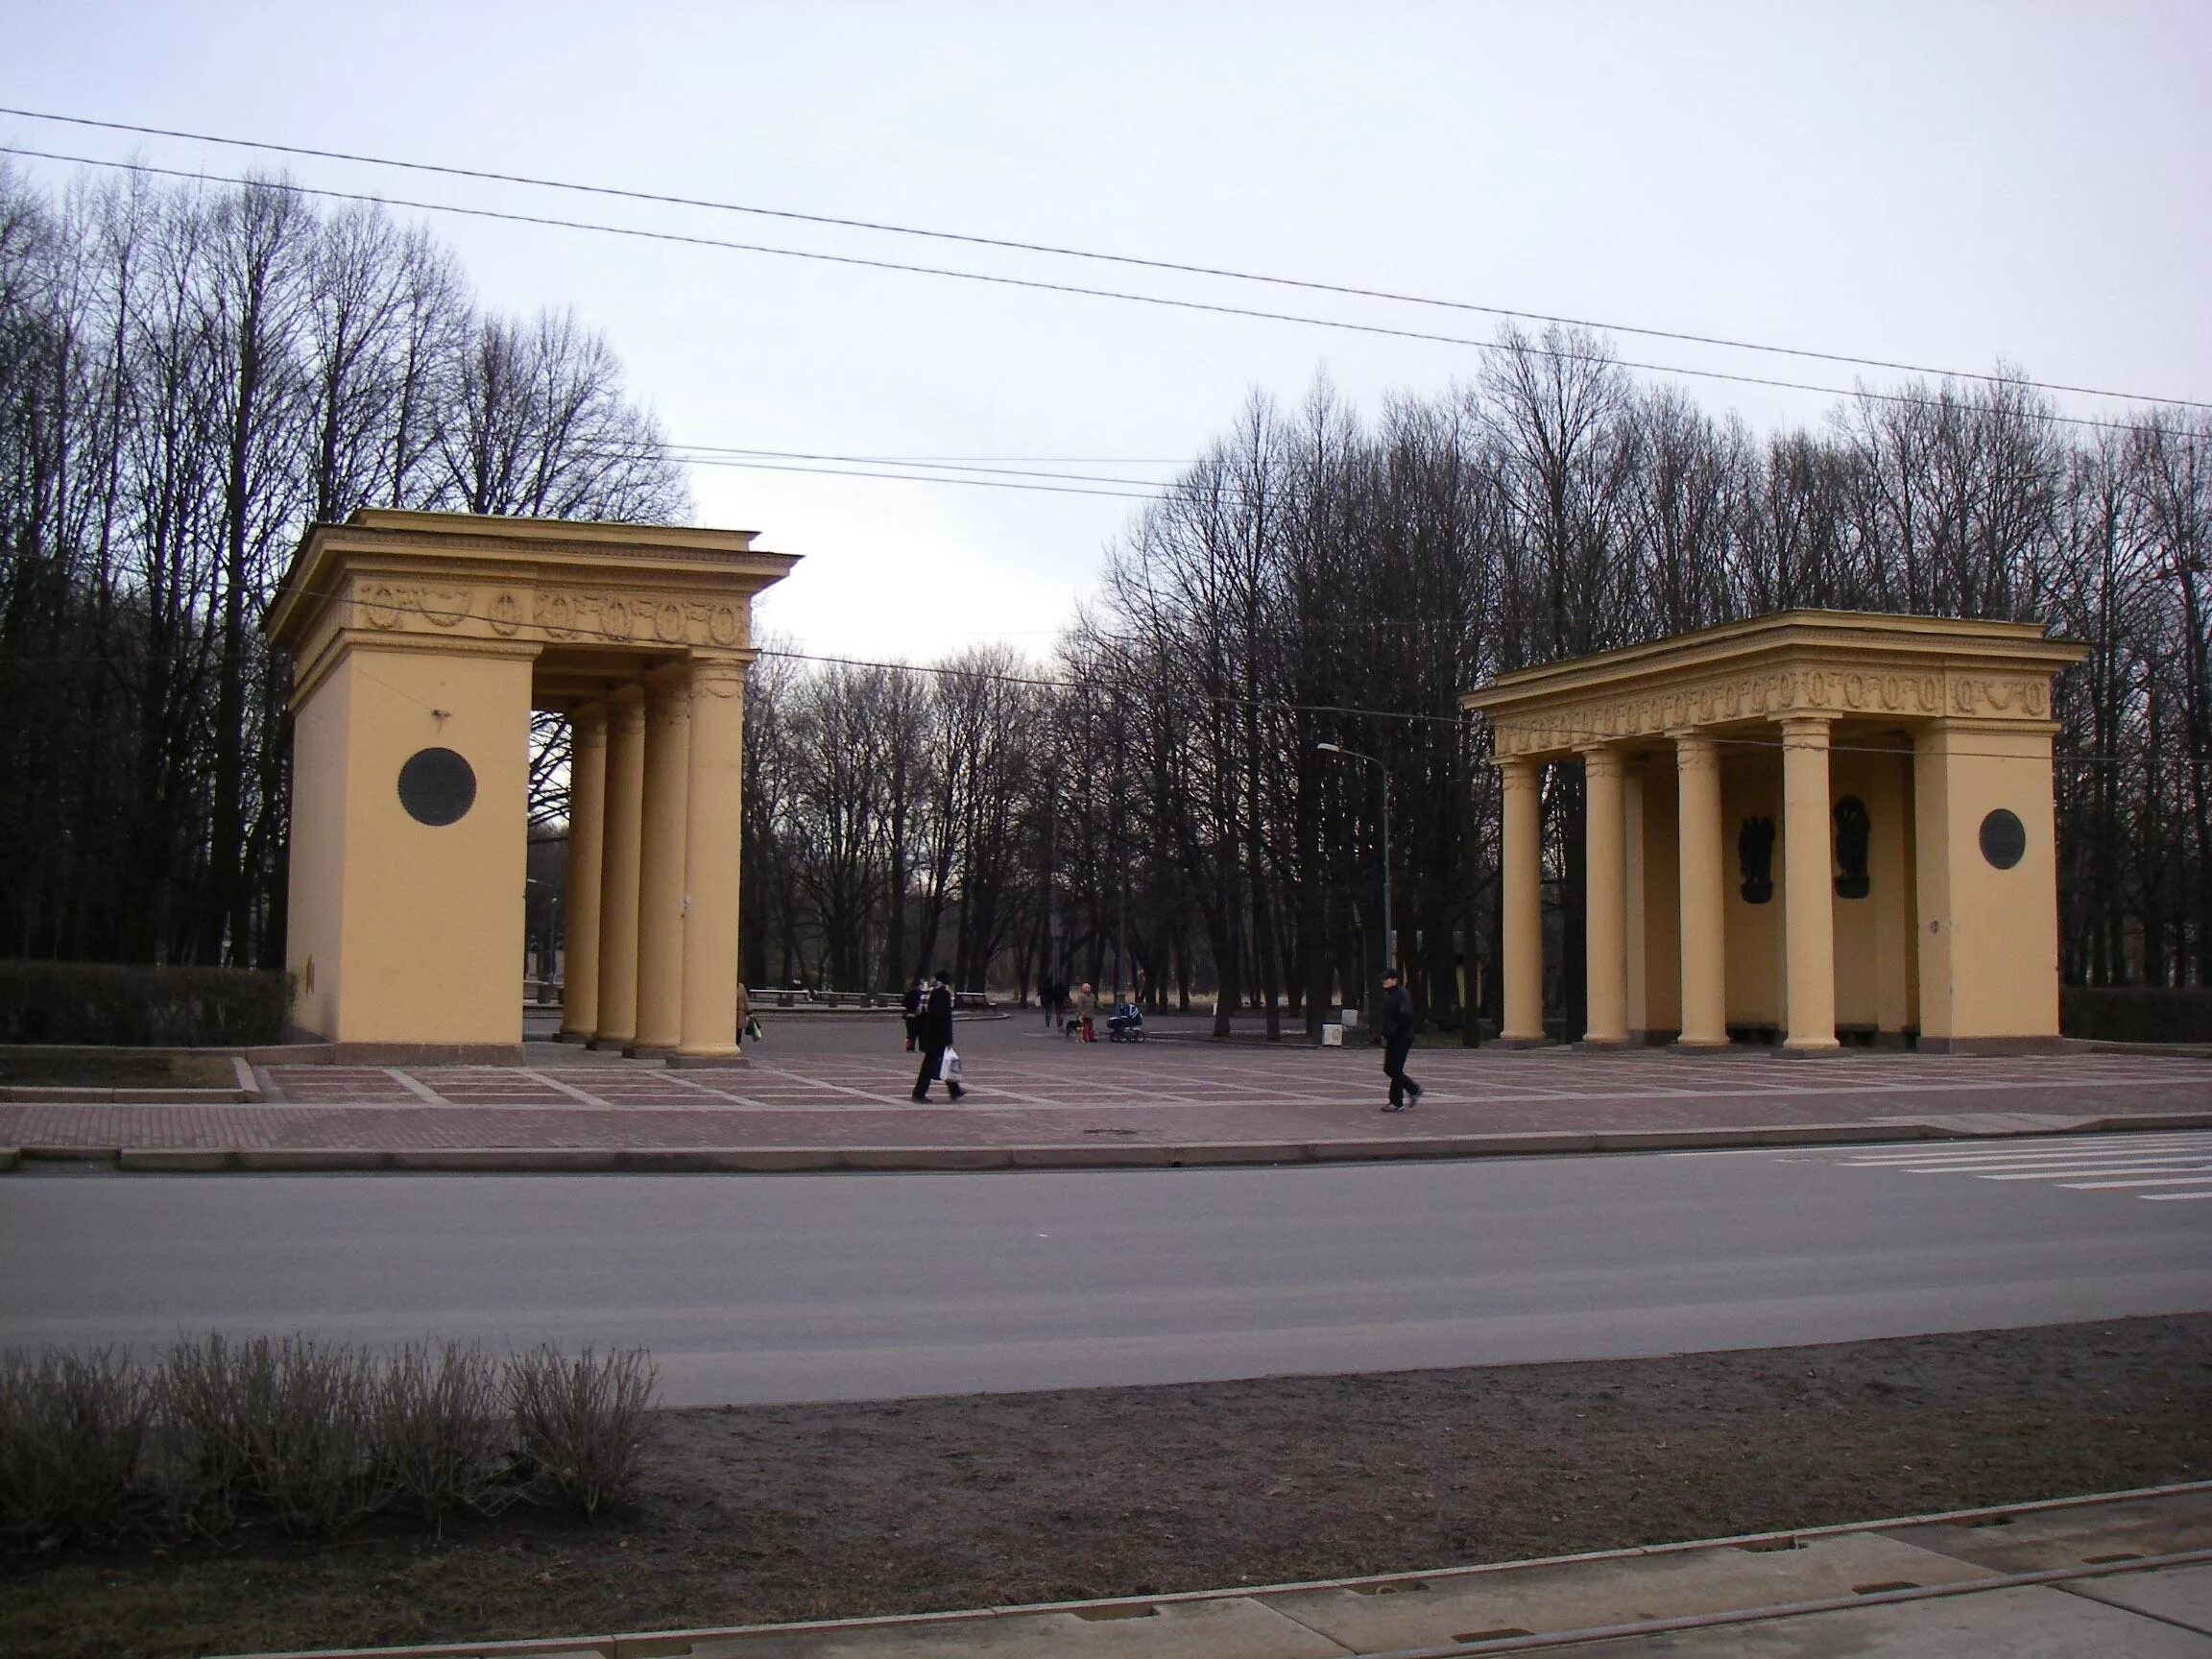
x=760, y=1513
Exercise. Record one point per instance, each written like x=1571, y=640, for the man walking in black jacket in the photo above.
x=933, y=1031
x=1398, y=1041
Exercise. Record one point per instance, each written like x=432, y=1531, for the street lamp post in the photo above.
x=1389, y=934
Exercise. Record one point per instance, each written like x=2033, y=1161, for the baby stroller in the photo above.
x=1125, y=1024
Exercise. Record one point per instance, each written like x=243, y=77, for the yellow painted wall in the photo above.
x=409, y=976
x=316, y=910
x=1889, y=799
x=1871, y=933
x=1751, y=786
x=1988, y=938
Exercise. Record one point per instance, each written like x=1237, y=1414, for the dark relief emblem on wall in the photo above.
x=436, y=787
x=1755, y=852
x=1852, y=826
x=2003, y=839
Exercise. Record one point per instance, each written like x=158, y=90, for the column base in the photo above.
x=584, y=1037
x=1520, y=1043
x=1602, y=1045
x=607, y=1045
x=426, y=1053
x=1699, y=1045
x=1992, y=1045
x=1809, y=1048
x=647, y=1050
x=703, y=1059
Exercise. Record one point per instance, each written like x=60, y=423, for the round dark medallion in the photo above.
x=2003, y=839
x=436, y=787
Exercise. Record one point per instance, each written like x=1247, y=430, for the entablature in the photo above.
x=1847, y=666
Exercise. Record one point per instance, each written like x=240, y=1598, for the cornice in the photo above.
x=430, y=550
x=1864, y=641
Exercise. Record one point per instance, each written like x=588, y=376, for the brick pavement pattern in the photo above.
x=1027, y=1090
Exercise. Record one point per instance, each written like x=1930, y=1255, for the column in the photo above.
x=580, y=904
x=617, y=1024
x=1704, y=874
x=1809, y=906
x=1521, y=898
x=1635, y=925
x=660, y=866
x=1605, y=897
x=712, y=837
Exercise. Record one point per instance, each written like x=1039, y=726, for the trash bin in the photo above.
x=1332, y=1034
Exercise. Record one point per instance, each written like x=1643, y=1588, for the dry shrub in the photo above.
x=282, y=1430
x=205, y=1431
x=442, y=1432
x=582, y=1424
x=307, y=1435
x=75, y=1438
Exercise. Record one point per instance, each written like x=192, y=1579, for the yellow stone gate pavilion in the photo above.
x=1817, y=824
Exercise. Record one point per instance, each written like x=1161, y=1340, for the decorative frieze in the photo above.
x=554, y=614
x=1830, y=691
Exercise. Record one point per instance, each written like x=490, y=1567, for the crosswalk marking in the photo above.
x=2132, y=1146
x=2126, y=1165
x=2075, y=1167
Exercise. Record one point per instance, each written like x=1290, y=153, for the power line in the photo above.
x=1595, y=359
x=1134, y=686
x=1180, y=267
x=958, y=461
x=934, y=465
x=916, y=478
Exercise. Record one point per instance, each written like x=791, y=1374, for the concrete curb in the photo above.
x=922, y=1158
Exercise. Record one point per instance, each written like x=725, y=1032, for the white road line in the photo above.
x=1960, y=1158
x=2166, y=1167
x=1983, y=1166
x=2104, y=1163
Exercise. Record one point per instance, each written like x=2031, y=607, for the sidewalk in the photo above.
x=2122, y=1575
x=822, y=1096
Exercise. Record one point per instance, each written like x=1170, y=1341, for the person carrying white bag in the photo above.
x=933, y=1032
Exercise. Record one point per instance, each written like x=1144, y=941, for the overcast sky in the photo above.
x=1944, y=185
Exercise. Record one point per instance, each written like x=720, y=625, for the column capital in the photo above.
x=626, y=711
x=1600, y=759
x=1805, y=731
x=588, y=725
x=1516, y=771
x=1694, y=750
x=719, y=676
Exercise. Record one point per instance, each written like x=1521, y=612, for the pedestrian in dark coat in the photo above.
x=933, y=1031
x=912, y=1001
x=1398, y=1041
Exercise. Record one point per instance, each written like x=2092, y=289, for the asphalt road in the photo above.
x=830, y=1287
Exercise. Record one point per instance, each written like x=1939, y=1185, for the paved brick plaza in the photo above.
x=830, y=1083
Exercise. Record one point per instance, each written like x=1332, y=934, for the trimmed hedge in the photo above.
x=2137, y=1013
x=135, y=1006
